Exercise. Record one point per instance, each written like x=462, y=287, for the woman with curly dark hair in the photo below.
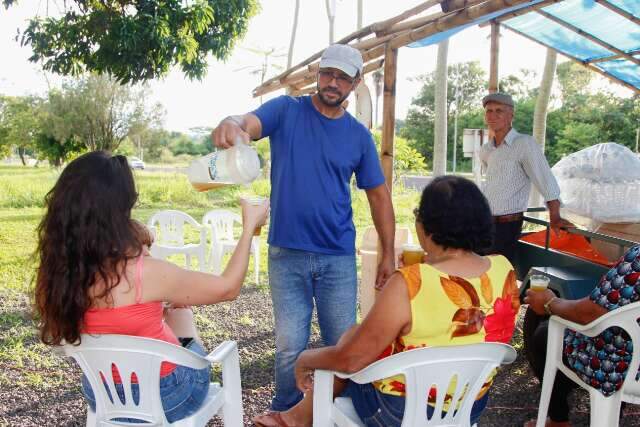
x=454, y=297
x=96, y=276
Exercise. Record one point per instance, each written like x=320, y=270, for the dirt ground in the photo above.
x=248, y=320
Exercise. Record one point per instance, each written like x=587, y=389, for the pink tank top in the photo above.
x=141, y=320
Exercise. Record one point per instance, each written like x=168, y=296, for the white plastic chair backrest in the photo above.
x=170, y=226
x=436, y=367
x=142, y=356
x=626, y=318
x=221, y=222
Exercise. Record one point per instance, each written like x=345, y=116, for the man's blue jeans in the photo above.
x=297, y=278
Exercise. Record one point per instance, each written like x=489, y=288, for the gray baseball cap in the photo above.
x=499, y=97
x=343, y=57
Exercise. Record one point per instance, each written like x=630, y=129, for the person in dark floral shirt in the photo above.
x=601, y=361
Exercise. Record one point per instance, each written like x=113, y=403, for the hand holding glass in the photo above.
x=257, y=201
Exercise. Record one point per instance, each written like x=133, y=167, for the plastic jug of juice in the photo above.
x=238, y=164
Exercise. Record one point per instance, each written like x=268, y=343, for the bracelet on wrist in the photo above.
x=547, y=306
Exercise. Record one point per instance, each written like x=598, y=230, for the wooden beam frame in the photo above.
x=353, y=36
x=619, y=11
x=589, y=36
x=452, y=20
x=611, y=58
x=423, y=20
x=584, y=64
x=294, y=79
x=520, y=12
x=379, y=26
x=462, y=14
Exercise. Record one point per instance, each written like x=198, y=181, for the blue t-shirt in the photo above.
x=312, y=160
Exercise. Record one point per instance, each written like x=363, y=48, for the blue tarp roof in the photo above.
x=566, y=27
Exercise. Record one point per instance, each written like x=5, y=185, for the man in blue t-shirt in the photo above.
x=316, y=147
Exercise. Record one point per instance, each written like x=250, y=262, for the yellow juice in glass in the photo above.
x=538, y=282
x=412, y=254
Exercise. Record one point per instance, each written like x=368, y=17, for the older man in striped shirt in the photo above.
x=512, y=162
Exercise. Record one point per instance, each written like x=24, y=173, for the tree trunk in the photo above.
x=331, y=15
x=540, y=113
x=293, y=35
x=440, y=126
x=21, y=154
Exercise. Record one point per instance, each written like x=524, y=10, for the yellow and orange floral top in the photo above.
x=451, y=310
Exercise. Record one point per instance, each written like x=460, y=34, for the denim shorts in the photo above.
x=377, y=409
x=182, y=391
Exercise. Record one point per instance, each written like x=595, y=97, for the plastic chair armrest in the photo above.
x=223, y=351
x=598, y=325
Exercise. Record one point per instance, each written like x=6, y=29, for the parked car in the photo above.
x=135, y=163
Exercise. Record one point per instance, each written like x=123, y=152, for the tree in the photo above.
x=471, y=80
x=405, y=157
x=100, y=112
x=574, y=82
x=519, y=86
x=19, y=124
x=56, y=152
x=137, y=40
x=576, y=136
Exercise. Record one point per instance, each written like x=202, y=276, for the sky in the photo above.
x=228, y=85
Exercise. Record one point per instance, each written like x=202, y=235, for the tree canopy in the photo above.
x=584, y=117
x=137, y=40
x=100, y=112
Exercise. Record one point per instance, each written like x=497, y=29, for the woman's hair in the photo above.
x=456, y=214
x=86, y=234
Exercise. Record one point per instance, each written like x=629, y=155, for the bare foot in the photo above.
x=275, y=419
x=549, y=423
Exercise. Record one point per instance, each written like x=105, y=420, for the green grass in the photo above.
x=22, y=192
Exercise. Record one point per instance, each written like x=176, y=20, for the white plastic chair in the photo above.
x=605, y=411
x=168, y=229
x=423, y=369
x=221, y=222
x=143, y=356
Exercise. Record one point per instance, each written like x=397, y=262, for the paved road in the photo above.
x=417, y=182
x=175, y=169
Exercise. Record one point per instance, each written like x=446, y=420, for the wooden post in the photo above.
x=388, y=113
x=495, y=57
x=388, y=120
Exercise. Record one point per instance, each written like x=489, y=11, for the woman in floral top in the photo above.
x=455, y=297
x=601, y=361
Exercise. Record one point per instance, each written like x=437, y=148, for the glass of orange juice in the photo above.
x=255, y=200
x=538, y=282
x=412, y=254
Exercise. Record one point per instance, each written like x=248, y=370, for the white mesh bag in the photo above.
x=601, y=182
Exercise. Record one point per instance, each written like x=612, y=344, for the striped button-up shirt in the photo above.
x=510, y=169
